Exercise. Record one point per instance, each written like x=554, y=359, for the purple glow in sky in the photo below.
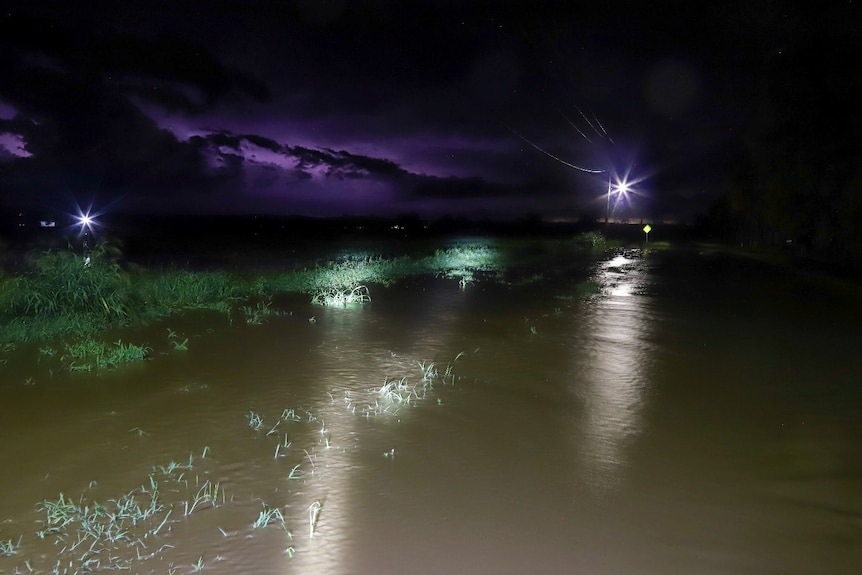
x=13, y=145
x=378, y=106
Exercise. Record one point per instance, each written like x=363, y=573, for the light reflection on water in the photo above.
x=350, y=405
x=486, y=481
x=608, y=371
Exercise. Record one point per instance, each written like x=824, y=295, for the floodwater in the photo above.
x=700, y=415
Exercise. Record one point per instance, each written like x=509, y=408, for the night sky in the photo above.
x=330, y=108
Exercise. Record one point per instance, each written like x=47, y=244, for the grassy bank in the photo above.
x=60, y=296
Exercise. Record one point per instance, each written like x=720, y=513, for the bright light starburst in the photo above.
x=86, y=220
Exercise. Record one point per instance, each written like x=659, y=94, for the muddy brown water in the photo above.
x=701, y=415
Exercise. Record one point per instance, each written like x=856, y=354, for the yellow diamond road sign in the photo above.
x=647, y=229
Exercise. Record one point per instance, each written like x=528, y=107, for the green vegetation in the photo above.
x=90, y=535
x=334, y=296
x=7, y=548
x=590, y=240
x=257, y=314
x=88, y=354
x=313, y=516
x=112, y=534
x=395, y=394
x=141, y=524
x=345, y=282
x=268, y=516
x=175, y=342
x=58, y=295
x=254, y=421
x=207, y=494
x=163, y=292
x=62, y=298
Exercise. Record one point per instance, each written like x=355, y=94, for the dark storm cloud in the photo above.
x=82, y=95
x=165, y=70
x=380, y=100
x=331, y=163
x=76, y=91
x=265, y=143
x=318, y=174
x=343, y=163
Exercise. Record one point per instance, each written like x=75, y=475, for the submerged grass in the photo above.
x=208, y=494
x=258, y=314
x=175, y=341
x=268, y=516
x=118, y=534
x=314, y=516
x=7, y=548
x=396, y=394
x=255, y=421
x=89, y=354
x=58, y=296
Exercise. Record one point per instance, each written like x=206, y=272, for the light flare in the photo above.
x=86, y=220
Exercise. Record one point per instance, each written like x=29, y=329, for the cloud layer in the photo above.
x=373, y=107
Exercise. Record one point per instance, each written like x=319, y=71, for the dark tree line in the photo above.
x=800, y=178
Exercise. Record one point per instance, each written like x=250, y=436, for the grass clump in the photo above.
x=60, y=294
x=255, y=421
x=268, y=516
x=396, y=394
x=334, y=296
x=60, y=281
x=176, y=343
x=591, y=240
x=207, y=494
x=163, y=292
x=342, y=283
x=118, y=534
x=90, y=354
x=7, y=548
x=314, y=516
x=257, y=315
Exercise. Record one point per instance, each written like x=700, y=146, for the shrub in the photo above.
x=83, y=355
x=175, y=289
x=60, y=282
x=590, y=240
x=61, y=293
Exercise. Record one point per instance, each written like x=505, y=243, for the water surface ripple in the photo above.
x=697, y=414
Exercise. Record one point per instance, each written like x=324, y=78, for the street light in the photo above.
x=621, y=187
x=86, y=221
x=608, y=209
